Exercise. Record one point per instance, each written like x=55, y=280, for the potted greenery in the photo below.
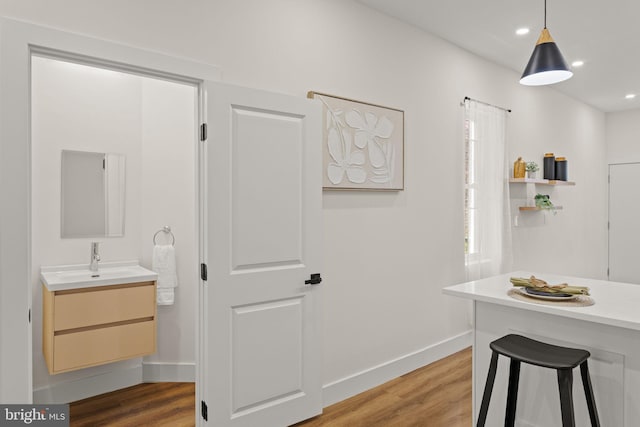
x=543, y=202
x=532, y=168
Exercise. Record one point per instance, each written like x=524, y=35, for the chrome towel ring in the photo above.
x=167, y=230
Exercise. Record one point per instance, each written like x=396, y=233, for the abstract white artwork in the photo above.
x=363, y=145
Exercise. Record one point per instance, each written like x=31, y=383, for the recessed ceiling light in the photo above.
x=630, y=95
x=522, y=31
x=577, y=63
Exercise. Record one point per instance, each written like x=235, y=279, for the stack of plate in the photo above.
x=549, y=296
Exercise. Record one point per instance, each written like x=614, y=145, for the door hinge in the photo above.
x=203, y=410
x=29, y=315
x=203, y=271
x=203, y=132
x=104, y=164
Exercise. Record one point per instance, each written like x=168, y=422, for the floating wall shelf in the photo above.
x=539, y=181
x=535, y=208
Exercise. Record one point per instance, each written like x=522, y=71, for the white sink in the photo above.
x=62, y=277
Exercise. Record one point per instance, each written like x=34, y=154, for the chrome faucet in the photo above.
x=95, y=256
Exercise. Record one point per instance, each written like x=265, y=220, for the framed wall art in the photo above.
x=363, y=145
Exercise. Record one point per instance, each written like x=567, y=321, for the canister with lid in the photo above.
x=561, y=169
x=549, y=166
x=519, y=168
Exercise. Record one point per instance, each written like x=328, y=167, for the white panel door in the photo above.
x=263, y=191
x=624, y=223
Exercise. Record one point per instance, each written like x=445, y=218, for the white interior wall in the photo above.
x=573, y=241
x=66, y=116
x=168, y=197
x=152, y=123
x=387, y=255
x=623, y=134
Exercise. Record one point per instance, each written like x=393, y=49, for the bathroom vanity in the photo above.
x=91, y=318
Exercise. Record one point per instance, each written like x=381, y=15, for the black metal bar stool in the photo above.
x=562, y=359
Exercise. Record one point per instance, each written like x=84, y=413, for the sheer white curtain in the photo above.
x=487, y=211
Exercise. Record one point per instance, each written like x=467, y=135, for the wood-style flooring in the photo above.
x=150, y=404
x=437, y=395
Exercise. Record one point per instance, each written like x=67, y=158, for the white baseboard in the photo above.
x=362, y=381
x=185, y=372
x=82, y=388
x=168, y=372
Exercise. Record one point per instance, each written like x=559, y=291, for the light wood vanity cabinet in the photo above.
x=91, y=326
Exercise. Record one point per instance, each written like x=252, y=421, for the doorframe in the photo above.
x=18, y=41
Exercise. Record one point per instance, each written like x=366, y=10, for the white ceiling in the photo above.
x=604, y=34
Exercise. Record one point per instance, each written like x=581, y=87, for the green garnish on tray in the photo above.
x=541, y=285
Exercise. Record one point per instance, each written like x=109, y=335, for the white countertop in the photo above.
x=64, y=277
x=616, y=304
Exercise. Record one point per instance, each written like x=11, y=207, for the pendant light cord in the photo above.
x=545, y=13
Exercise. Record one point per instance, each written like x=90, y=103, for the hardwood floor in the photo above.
x=437, y=395
x=151, y=404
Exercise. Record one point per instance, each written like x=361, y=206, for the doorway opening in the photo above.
x=152, y=123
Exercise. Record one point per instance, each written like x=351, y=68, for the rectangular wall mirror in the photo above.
x=92, y=194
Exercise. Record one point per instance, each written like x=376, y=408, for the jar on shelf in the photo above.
x=561, y=169
x=549, y=166
x=519, y=168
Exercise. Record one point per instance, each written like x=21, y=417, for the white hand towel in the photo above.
x=164, y=263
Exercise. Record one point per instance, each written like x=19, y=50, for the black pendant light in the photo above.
x=546, y=65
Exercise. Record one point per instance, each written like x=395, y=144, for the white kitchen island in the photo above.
x=609, y=329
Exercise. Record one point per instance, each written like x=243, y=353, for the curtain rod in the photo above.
x=466, y=98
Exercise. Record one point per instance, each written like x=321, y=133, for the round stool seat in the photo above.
x=539, y=353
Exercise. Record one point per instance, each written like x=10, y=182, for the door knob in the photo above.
x=314, y=279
